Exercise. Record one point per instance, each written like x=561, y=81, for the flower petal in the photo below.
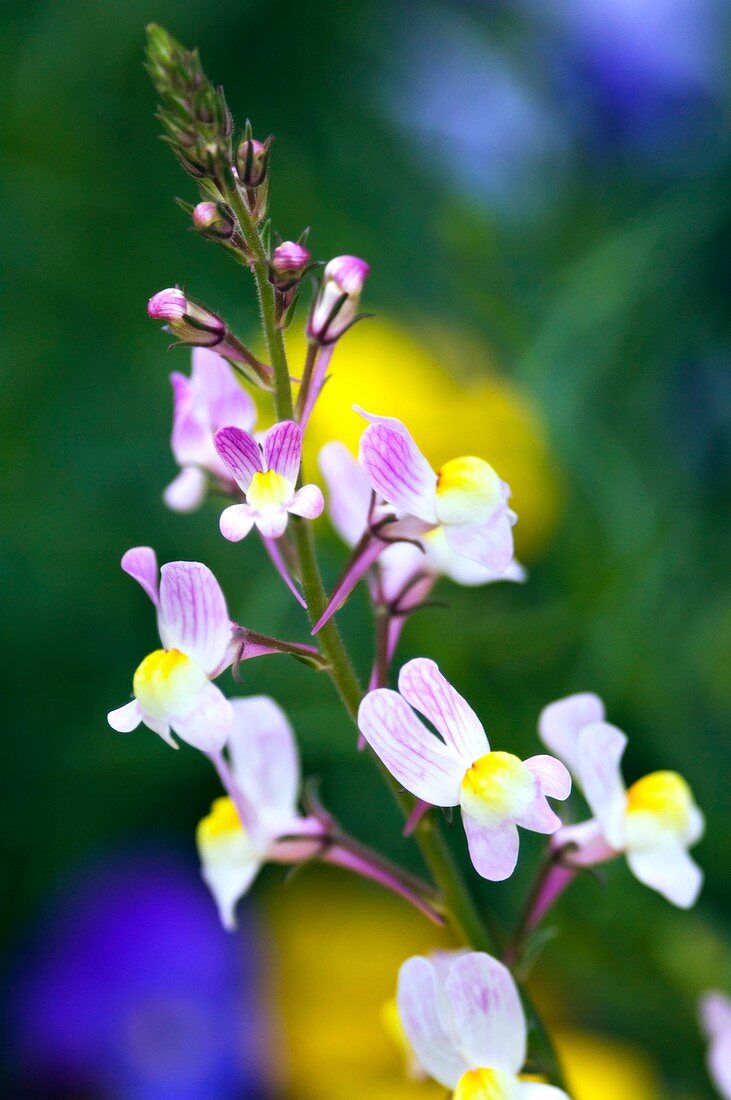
x=272, y=525
x=553, y=781
x=535, y=1090
x=308, y=502
x=423, y=686
x=493, y=848
x=229, y=861
x=140, y=563
x=487, y=1013
x=217, y=389
x=193, y=616
x=283, y=450
x=715, y=1014
x=186, y=492
x=264, y=757
x=208, y=725
x=125, y=719
x=349, y=494
x=560, y=724
x=429, y=1035
x=589, y=845
x=396, y=468
x=428, y=768
x=490, y=545
x=236, y=521
x=668, y=869
x=719, y=1064
x=443, y=559
x=241, y=454
x=190, y=440
x=600, y=750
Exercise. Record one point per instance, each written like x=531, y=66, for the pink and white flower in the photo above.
x=464, y=1021
x=715, y=1017
x=265, y=769
x=349, y=506
x=173, y=692
x=653, y=823
x=210, y=399
x=267, y=475
x=465, y=498
x=496, y=791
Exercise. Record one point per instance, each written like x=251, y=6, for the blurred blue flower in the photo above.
x=133, y=991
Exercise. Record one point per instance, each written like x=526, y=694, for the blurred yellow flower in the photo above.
x=337, y=947
x=381, y=368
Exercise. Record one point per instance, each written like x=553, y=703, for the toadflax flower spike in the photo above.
x=210, y=399
x=466, y=498
x=172, y=686
x=466, y=1026
x=266, y=771
x=267, y=475
x=496, y=791
x=654, y=823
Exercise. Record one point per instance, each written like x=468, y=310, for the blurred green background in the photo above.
x=542, y=190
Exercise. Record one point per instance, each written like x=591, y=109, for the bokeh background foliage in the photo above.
x=543, y=193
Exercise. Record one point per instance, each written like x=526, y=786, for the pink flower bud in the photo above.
x=214, y=220
x=252, y=159
x=337, y=302
x=290, y=258
x=167, y=305
x=288, y=264
x=190, y=321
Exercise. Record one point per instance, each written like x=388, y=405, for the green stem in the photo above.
x=267, y=306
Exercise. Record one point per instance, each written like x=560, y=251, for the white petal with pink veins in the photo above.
x=493, y=848
x=668, y=869
x=396, y=468
x=419, y=1000
x=193, y=616
x=428, y=691
x=186, y=492
x=140, y=563
x=487, y=1014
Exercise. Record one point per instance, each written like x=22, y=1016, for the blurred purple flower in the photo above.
x=134, y=992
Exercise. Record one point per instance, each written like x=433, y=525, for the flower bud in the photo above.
x=288, y=264
x=188, y=320
x=252, y=160
x=338, y=299
x=214, y=221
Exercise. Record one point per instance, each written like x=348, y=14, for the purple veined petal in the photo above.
x=599, y=774
x=487, y=1013
x=493, y=848
x=208, y=725
x=272, y=525
x=193, y=616
x=419, y=998
x=423, y=686
x=560, y=724
x=396, y=469
x=187, y=491
x=714, y=1012
x=553, y=781
x=277, y=559
x=283, y=450
x=356, y=569
x=420, y=761
x=125, y=719
x=140, y=563
x=489, y=545
x=588, y=842
x=264, y=757
x=217, y=389
x=349, y=494
x=190, y=440
x=241, y=454
x=236, y=521
x=308, y=502
x=668, y=869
